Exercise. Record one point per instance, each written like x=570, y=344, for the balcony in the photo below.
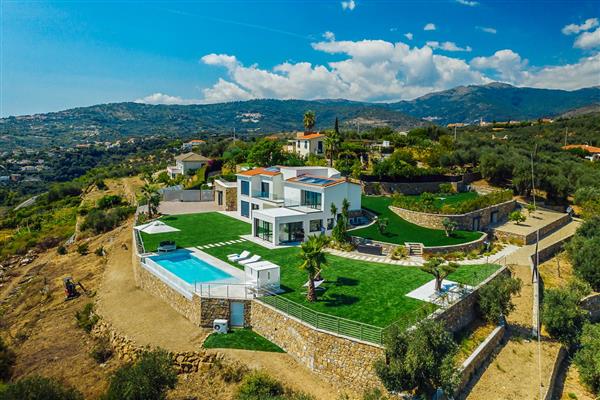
x=267, y=196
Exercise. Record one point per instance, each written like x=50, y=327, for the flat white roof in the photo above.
x=278, y=212
x=226, y=183
x=262, y=265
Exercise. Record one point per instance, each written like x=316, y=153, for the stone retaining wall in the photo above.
x=529, y=238
x=461, y=314
x=343, y=362
x=191, y=309
x=200, y=310
x=128, y=351
x=550, y=385
x=408, y=188
x=463, y=221
x=479, y=357
x=591, y=303
x=466, y=247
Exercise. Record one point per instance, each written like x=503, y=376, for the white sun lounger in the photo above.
x=238, y=257
x=252, y=259
x=317, y=284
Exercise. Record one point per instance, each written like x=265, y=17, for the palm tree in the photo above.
x=309, y=120
x=314, y=259
x=439, y=269
x=333, y=141
x=150, y=193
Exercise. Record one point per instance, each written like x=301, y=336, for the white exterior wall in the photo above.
x=309, y=146
x=190, y=165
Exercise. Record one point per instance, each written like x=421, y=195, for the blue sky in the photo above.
x=62, y=54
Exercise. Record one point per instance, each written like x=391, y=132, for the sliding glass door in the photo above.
x=263, y=230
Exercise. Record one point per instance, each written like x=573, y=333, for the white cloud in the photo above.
x=408, y=35
x=328, y=35
x=429, y=27
x=506, y=63
x=586, y=26
x=348, y=5
x=468, y=3
x=161, y=98
x=588, y=40
x=585, y=73
x=447, y=46
x=487, y=29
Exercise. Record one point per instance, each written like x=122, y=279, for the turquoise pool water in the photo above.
x=189, y=268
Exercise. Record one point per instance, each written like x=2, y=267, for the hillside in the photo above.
x=496, y=102
x=108, y=122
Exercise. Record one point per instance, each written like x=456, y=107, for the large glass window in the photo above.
x=246, y=188
x=315, y=225
x=245, y=209
x=311, y=199
x=291, y=232
x=264, y=189
x=263, y=230
x=329, y=223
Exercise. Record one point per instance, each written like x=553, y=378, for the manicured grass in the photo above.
x=373, y=293
x=242, y=338
x=442, y=200
x=198, y=229
x=400, y=231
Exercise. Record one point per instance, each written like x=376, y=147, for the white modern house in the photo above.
x=287, y=204
x=187, y=162
x=307, y=143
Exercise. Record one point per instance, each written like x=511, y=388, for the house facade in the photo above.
x=225, y=195
x=185, y=163
x=285, y=205
x=307, y=143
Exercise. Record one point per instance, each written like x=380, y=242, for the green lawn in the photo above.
x=400, y=231
x=442, y=200
x=372, y=293
x=198, y=229
x=243, y=338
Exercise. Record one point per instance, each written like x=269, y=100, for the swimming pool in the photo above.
x=190, y=268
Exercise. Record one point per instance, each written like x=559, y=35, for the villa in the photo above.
x=285, y=204
x=307, y=143
x=185, y=163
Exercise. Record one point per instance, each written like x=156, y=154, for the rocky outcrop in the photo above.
x=128, y=351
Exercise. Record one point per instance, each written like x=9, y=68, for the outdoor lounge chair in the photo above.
x=238, y=257
x=166, y=246
x=317, y=284
x=252, y=259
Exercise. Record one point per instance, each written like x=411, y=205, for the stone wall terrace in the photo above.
x=463, y=221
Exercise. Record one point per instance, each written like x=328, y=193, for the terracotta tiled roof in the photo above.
x=259, y=171
x=308, y=135
x=587, y=147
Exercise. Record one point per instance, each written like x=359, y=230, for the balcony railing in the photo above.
x=268, y=196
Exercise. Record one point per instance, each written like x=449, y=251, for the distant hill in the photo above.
x=109, y=122
x=591, y=109
x=496, y=101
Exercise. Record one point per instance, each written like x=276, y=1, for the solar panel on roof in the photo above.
x=272, y=169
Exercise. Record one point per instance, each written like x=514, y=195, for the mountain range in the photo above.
x=109, y=122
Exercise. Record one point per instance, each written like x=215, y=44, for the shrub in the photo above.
x=7, y=361
x=149, y=378
x=100, y=184
x=100, y=221
x=83, y=249
x=420, y=359
x=87, y=318
x=449, y=226
x=110, y=201
x=517, y=217
x=562, y=316
x=259, y=386
x=399, y=253
x=230, y=372
x=586, y=359
x=102, y=352
x=37, y=388
x=495, y=298
x=583, y=252
x=100, y=252
x=62, y=250
x=446, y=188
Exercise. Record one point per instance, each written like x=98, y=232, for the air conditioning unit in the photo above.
x=220, y=326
